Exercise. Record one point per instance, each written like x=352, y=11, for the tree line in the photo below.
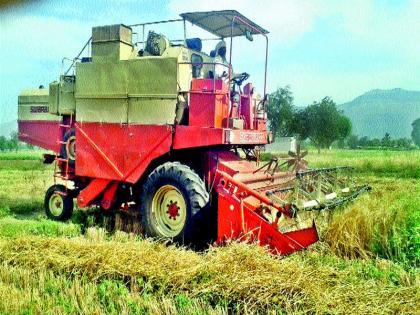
x=321, y=122
x=12, y=143
x=355, y=142
x=324, y=125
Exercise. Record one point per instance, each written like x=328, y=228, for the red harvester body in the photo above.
x=178, y=174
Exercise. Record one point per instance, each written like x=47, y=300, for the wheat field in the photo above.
x=366, y=262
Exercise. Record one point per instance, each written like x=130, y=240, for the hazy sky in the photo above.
x=320, y=47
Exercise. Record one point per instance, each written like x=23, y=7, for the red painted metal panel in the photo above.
x=109, y=196
x=209, y=103
x=240, y=220
x=192, y=136
x=208, y=110
x=248, y=106
x=209, y=85
x=119, y=151
x=92, y=191
x=41, y=133
x=246, y=136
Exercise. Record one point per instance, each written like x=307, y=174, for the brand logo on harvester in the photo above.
x=251, y=137
x=39, y=109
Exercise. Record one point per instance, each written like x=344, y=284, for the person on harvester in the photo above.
x=219, y=55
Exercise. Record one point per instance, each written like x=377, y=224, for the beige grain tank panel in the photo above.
x=101, y=92
x=101, y=80
x=53, y=97
x=112, y=43
x=61, y=99
x=66, y=99
x=112, y=51
x=34, y=105
x=103, y=110
x=152, y=90
x=142, y=90
x=183, y=56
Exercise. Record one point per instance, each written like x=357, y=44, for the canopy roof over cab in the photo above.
x=219, y=23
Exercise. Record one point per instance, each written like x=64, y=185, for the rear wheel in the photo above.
x=68, y=148
x=171, y=203
x=58, y=203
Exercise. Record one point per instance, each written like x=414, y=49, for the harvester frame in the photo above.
x=158, y=132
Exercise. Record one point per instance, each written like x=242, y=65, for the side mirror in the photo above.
x=248, y=35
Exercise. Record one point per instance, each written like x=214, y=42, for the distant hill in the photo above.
x=379, y=111
x=7, y=127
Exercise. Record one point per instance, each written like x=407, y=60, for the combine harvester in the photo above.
x=169, y=132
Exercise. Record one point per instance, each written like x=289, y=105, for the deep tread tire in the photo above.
x=67, y=202
x=193, y=191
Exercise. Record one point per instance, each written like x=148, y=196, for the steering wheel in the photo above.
x=240, y=78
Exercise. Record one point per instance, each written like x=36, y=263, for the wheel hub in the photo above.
x=173, y=210
x=56, y=204
x=169, y=210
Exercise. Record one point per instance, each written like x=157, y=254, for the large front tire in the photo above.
x=171, y=203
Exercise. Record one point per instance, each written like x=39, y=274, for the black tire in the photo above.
x=64, y=202
x=185, y=183
x=68, y=149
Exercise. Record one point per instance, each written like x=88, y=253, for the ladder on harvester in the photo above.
x=64, y=127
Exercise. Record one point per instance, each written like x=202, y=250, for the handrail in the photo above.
x=143, y=25
x=157, y=22
x=266, y=47
x=77, y=57
x=182, y=41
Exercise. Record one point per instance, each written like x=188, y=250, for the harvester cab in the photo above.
x=171, y=135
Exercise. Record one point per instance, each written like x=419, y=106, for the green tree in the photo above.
x=3, y=143
x=375, y=142
x=14, y=141
x=364, y=141
x=403, y=143
x=300, y=124
x=415, y=134
x=344, y=126
x=322, y=123
x=353, y=142
x=386, y=140
x=280, y=111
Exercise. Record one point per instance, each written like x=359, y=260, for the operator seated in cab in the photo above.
x=221, y=68
x=219, y=55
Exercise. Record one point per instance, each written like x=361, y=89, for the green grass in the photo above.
x=12, y=227
x=26, y=292
x=366, y=263
x=383, y=223
x=23, y=182
x=34, y=155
